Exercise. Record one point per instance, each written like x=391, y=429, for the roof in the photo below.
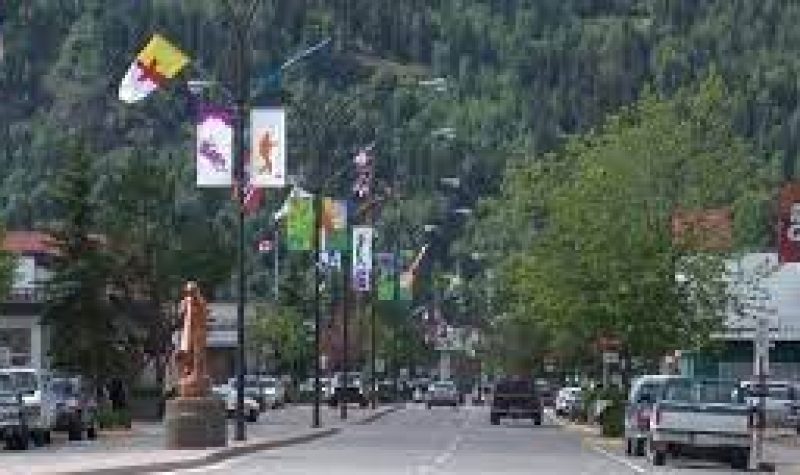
x=28, y=242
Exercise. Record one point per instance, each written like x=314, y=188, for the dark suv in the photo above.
x=516, y=399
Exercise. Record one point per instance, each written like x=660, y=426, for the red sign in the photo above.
x=789, y=223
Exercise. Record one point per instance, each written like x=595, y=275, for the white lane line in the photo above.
x=618, y=459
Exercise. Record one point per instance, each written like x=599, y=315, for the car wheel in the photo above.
x=495, y=420
x=638, y=447
x=537, y=420
x=10, y=442
x=48, y=439
x=91, y=433
x=628, y=446
x=252, y=416
x=38, y=438
x=428, y=406
x=22, y=440
x=740, y=459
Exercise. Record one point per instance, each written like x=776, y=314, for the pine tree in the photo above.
x=78, y=309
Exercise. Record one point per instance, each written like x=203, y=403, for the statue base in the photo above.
x=195, y=423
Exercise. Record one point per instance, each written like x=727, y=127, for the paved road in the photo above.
x=417, y=441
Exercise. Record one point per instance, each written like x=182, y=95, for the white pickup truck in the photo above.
x=701, y=417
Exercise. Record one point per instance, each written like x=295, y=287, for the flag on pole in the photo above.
x=268, y=141
x=214, y=152
x=300, y=224
x=406, y=275
x=333, y=226
x=385, y=278
x=362, y=258
x=296, y=192
x=265, y=245
x=159, y=61
x=252, y=195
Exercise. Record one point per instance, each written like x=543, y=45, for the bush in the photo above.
x=111, y=419
x=612, y=420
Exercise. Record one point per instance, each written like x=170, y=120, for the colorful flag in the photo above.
x=362, y=258
x=214, y=153
x=385, y=275
x=253, y=196
x=159, y=61
x=406, y=287
x=265, y=245
x=268, y=141
x=300, y=224
x=333, y=225
x=364, y=164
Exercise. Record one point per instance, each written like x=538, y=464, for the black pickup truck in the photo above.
x=516, y=399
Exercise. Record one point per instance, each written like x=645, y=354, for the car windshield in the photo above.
x=515, y=387
x=648, y=391
x=6, y=385
x=25, y=381
x=703, y=391
x=64, y=387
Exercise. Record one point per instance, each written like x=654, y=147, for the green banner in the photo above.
x=333, y=233
x=386, y=276
x=406, y=287
x=300, y=222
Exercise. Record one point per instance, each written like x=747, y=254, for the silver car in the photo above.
x=645, y=392
x=442, y=393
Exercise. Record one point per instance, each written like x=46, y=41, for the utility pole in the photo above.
x=242, y=84
x=317, y=219
x=345, y=325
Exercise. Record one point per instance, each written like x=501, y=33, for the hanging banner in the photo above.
x=789, y=223
x=158, y=62
x=268, y=143
x=214, y=152
x=385, y=275
x=362, y=258
x=406, y=287
x=333, y=229
x=300, y=224
x=365, y=171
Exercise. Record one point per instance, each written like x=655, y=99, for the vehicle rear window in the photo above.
x=703, y=391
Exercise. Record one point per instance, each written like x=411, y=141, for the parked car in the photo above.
x=13, y=425
x=699, y=417
x=546, y=392
x=420, y=388
x=515, y=399
x=273, y=392
x=568, y=401
x=779, y=399
x=76, y=407
x=645, y=391
x=442, y=393
x=229, y=396
x=353, y=393
x=39, y=401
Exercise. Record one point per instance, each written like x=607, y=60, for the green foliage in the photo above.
x=7, y=268
x=108, y=418
x=278, y=335
x=592, y=250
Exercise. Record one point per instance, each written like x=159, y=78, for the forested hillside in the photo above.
x=523, y=76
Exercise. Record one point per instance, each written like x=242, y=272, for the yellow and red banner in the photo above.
x=158, y=62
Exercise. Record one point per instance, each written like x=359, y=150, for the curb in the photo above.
x=216, y=457
x=374, y=417
x=231, y=452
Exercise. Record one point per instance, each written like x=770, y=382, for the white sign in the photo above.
x=362, y=258
x=268, y=147
x=25, y=273
x=610, y=357
x=214, y=152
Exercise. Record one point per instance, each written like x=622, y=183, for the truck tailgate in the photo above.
x=702, y=418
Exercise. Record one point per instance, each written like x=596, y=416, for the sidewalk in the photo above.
x=141, y=449
x=782, y=447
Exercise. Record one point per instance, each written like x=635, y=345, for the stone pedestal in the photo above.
x=195, y=423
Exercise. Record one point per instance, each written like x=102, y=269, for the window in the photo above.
x=18, y=342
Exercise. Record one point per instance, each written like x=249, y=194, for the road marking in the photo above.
x=618, y=459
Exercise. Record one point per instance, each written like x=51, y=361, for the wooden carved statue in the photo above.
x=191, y=356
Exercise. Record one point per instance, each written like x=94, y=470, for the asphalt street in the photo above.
x=417, y=441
